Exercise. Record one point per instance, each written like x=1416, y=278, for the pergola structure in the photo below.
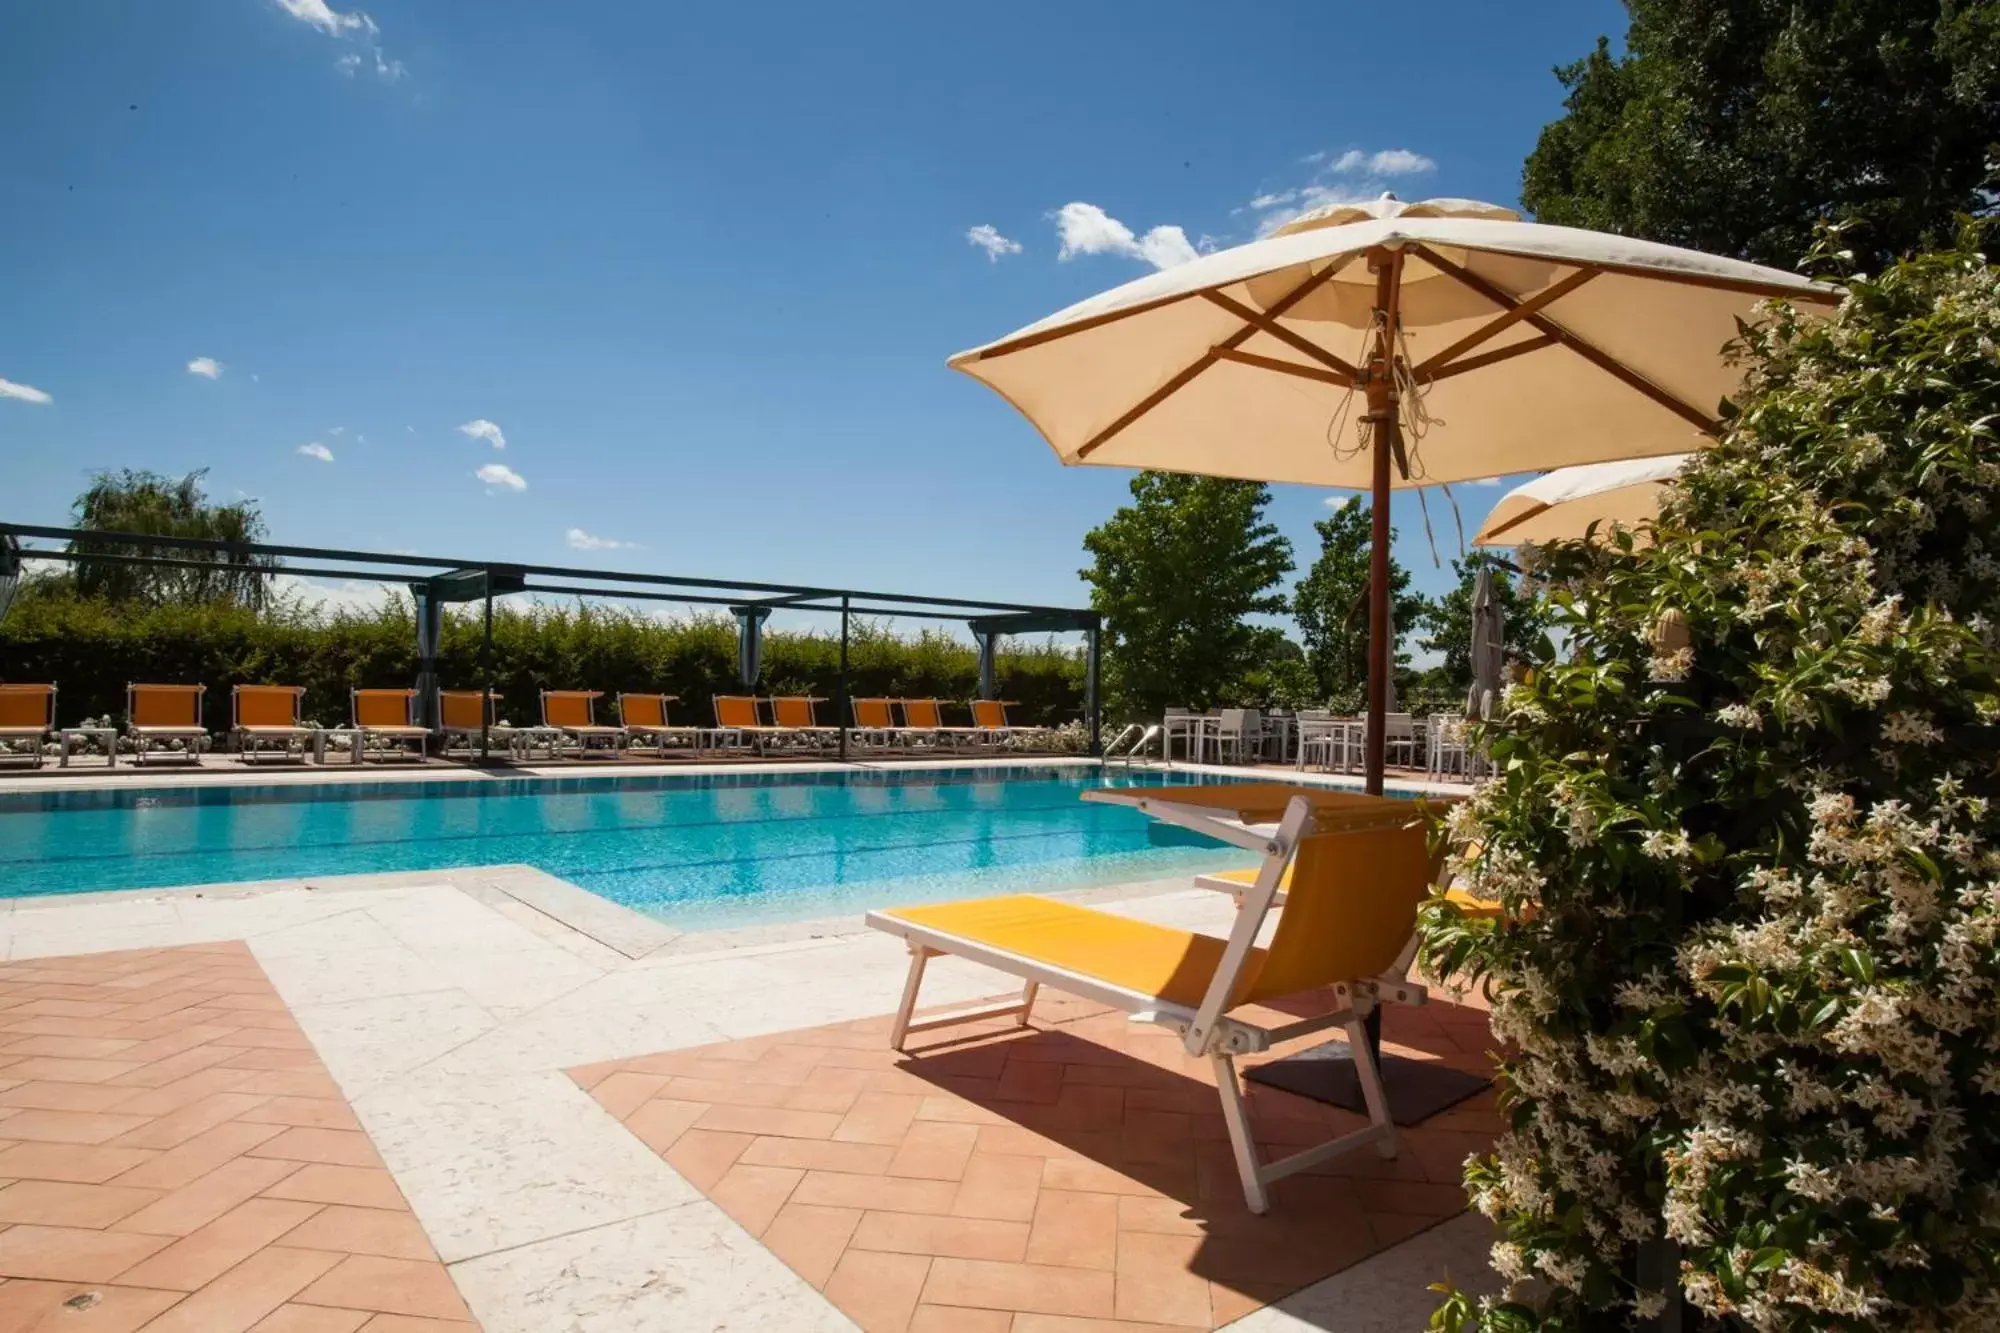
x=435, y=581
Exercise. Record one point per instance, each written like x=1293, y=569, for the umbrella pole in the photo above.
x=1385, y=431
x=1381, y=652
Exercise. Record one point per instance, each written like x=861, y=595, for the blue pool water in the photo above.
x=701, y=852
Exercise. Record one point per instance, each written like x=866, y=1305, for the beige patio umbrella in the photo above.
x=1564, y=503
x=1386, y=345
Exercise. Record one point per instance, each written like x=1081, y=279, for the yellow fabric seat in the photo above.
x=1352, y=920
x=1119, y=951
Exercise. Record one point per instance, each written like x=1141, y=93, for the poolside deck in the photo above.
x=457, y=1017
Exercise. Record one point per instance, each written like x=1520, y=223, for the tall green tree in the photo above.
x=1448, y=620
x=1736, y=126
x=1331, y=604
x=148, y=504
x=1176, y=573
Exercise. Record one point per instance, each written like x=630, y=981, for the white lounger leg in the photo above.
x=1238, y=1121
x=900, y=1030
x=1028, y=993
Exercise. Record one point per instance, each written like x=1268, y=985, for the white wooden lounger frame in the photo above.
x=1205, y=1029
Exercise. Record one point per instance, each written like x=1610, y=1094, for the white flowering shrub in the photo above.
x=1745, y=832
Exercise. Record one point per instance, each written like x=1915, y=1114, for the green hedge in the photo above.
x=91, y=649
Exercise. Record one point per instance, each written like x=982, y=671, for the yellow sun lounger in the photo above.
x=266, y=714
x=1359, y=866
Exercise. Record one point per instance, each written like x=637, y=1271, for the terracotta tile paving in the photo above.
x=1071, y=1178
x=174, y=1158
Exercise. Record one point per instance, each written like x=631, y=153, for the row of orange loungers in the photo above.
x=166, y=720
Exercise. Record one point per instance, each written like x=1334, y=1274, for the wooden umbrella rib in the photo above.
x=1266, y=323
x=1597, y=356
x=1516, y=521
x=1251, y=326
x=1483, y=359
x=1285, y=367
x=1507, y=319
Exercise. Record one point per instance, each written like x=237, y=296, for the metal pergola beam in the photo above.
x=443, y=564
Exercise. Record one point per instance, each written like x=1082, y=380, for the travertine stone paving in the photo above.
x=1071, y=1178
x=174, y=1158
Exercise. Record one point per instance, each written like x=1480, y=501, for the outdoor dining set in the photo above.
x=1317, y=738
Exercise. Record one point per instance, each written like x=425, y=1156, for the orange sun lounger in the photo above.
x=260, y=715
x=162, y=714
x=574, y=713
x=27, y=713
x=387, y=714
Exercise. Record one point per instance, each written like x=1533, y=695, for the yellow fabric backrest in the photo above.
x=459, y=709
x=642, y=710
x=873, y=713
x=267, y=705
x=568, y=708
x=989, y=713
x=27, y=705
x=1349, y=910
x=382, y=708
x=922, y=713
x=792, y=711
x=165, y=705
x=736, y=710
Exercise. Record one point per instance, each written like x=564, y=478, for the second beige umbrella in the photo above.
x=1387, y=345
x=1566, y=502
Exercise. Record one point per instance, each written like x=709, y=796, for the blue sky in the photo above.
x=699, y=266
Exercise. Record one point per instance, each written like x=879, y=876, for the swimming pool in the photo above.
x=701, y=852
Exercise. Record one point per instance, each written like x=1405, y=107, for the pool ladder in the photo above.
x=1128, y=747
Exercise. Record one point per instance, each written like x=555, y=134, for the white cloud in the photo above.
x=205, y=366
x=336, y=430
x=317, y=450
x=1349, y=177
x=26, y=393
x=1400, y=162
x=1086, y=229
x=498, y=475
x=584, y=541
x=327, y=19
x=344, y=25
x=1342, y=501
x=988, y=238
x=482, y=429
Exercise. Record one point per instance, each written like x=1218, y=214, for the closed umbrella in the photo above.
x=1387, y=345
x=1566, y=502
x=1489, y=638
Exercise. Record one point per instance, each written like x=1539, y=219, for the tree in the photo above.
x=1331, y=605
x=1746, y=839
x=148, y=504
x=1175, y=573
x=1449, y=619
x=1736, y=126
